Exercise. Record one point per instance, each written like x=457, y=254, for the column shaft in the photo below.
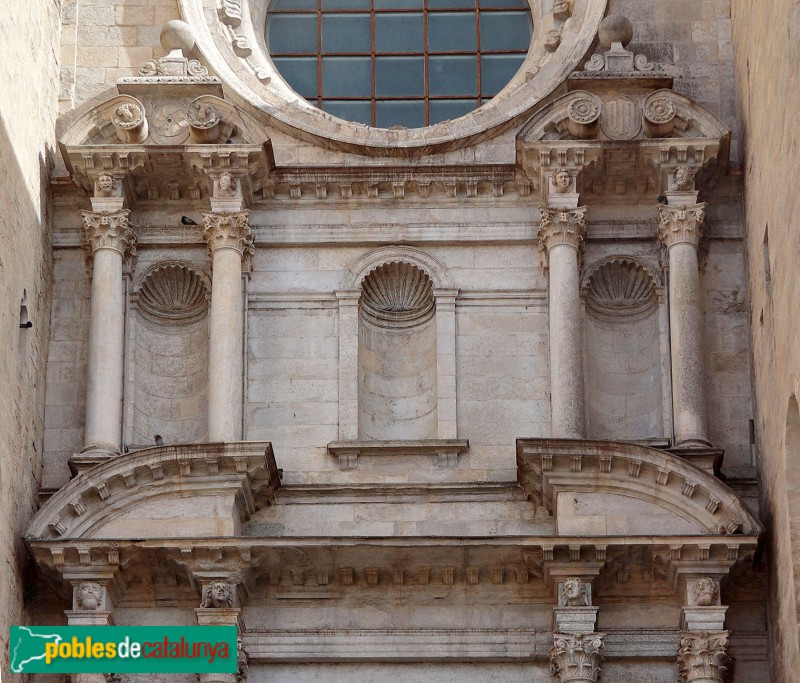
x=226, y=323
x=686, y=324
x=560, y=238
x=566, y=361
x=110, y=237
x=679, y=231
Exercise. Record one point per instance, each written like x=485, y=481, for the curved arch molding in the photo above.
x=231, y=40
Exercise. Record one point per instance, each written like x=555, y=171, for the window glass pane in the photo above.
x=398, y=4
x=279, y=5
x=453, y=75
x=451, y=32
x=292, y=33
x=518, y=4
x=439, y=110
x=497, y=71
x=300, y=73
x=408, y=114
x=346, y=33
x=399, y=33
x=399, y=76
x=445, y=4
x=345, y=4
x=346, y=77
x=505, y=31
x=360, y=112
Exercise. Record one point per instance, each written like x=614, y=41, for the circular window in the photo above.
x=409, y=63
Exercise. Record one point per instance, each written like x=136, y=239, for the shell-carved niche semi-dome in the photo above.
x=621, y=286
x=173, y=292
x=397, y=294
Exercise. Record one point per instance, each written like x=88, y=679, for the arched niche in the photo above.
x=397, y=388
x=168, y=359
x=624, y=359
x=397, y=348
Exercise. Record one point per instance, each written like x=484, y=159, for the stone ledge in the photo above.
x=445, y=451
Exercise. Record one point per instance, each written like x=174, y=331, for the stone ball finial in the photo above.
x=615, y=28
x=177, y=35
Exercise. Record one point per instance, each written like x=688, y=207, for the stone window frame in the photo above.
x=231, y=40
x=348, y=298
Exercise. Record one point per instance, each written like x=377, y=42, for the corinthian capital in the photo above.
x=560, y=226
x=576, y=657
x=703, y=657
x=680, y=224
x=109, y=230
x=228, y=230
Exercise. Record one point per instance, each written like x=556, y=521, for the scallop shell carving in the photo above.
x=173, y=292
x=621, y=286
x=397, y=294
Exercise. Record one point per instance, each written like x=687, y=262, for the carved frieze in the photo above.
x=680, y=224
x=576, y=657
x=109, y=230
x=703, y=657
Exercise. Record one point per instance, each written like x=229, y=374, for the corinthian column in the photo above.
x=229, y=241
x=109, y=237
x=679, y=231
x=560, y=236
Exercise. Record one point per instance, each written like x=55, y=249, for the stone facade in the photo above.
x=433, y=403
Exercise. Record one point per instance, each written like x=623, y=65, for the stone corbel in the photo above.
x=572, y=587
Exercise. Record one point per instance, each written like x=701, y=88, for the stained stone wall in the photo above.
x=29, y=70
x=766, y=38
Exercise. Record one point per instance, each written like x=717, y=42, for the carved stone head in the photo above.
x=104, y=185
x=704, y=592
x=562, y=180
x=90, y=596
x=683, y=178
x=226, y=185
x=576, y=593
x=218, y=594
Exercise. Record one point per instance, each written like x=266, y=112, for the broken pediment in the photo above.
x=624, y=142
x=607, y=488
x=165, y=492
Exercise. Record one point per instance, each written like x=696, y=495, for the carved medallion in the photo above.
x=170, y=126
x=621, y=119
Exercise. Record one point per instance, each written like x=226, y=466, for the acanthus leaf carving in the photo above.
x=703, y=656
x=561, y=226
x=228, y=230
x=576, y=657
x=680, y=224
x=109, y=230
